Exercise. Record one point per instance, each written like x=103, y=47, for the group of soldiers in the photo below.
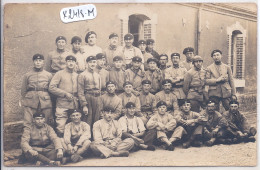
x=120, y=99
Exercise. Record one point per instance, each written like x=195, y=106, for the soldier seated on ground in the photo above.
x=40, y=143
x=133, y=127
x=163, y=125
x=107, y=137
x=238, y=129
x=189, y=126
x=76, y=138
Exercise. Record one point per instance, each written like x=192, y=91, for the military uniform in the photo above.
x=152, y=52
x=104, y=74
x=148, y=106
x=119, y=77
x=107, y=138
x=130, y=98
x=156, y=78
x=63, y=82
x=90, y=50
x=187, y=63
x=112, y=101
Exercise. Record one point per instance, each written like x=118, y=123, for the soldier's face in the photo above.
x=92, y=64
x=92, y=39
x=136, y=64
x=186, y=107
x=61, y=44
x=71, y=64
x=175, y=60
x=142, y=47
x=128, y=88
x=146, y=88
x=111, y=88
x=108, y=116
x=131, y=111
x=39, y=121
x=217, y=57
x=75, y=117
x=101, y=62
x=162, y=109
x=233, y=108
x=198, y=64
x=150, y=46
x=38, y=63
x=211, y=107
x=189, y=55
x=163, y=60
x=129, y=43
x=167, y=87
x=118, y=64
x=76, y=46
x=152, y=65
x=114, y=41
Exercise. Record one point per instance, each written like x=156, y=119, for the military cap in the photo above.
x=38, y=56
x=130, y=105
x=71, y=57
x=175, y=54
x=146, y=82
x=100, y=56
x=149, y=41
x=113, y=35
x=161, y=103
x=197, y=58
x=76, y=39
x=210, y=102
x=91, y=58
x=152, y=59
x=141, y=42
x=166, y=81
x=163, y=55
x=110, y=82
x=128, y=36
x=38, y=114
x=188, y=49
x=71, y=111
x=182, y=102
x=137, y=59
x=108, y=109
x=215, y=51
x=88, y=34
x=233, y=102
x=127, y=83
x=60, y=38
x=117, y=58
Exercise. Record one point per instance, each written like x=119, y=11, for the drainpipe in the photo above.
x=198, y=29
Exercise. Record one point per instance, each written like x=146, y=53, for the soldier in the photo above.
x=176, y=75
x=76, y=45
x=194, y=84
x=89, y=91
x=133, y=127
x=148, y=101
x=118, y=75
x=34, y=91
x=150, y=48
x=110, y=99
x=189, y=126
x=40, y=143
x=220, y=80
x=163, y=60
x=128, y=96
x=237, y=129
x=76, y=138
x=154, y=75
x=164, y=124
x=104, y=74
x=129, y=51
x=142, y=46
x=113, y=50
x=189, y=53
x=64, y=85
x=135, y=75
x=90, y=49
x=168, y=97
x=56, y=59
x=107, y=137
x=214, y=122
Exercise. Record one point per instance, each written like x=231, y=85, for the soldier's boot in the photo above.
x=228, y=141
x=235, y=141
x=250, y=139
x=120, y=154
x=210, y=142
x=65, y=160
x=76, y=158
x=170, y=147
x=43, y=159
x=54, y=163
x=22, y=159
x=252, y=131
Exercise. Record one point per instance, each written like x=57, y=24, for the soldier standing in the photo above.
x=90, y=49
x=34, y=92
x=104, y=74
x=150, y=48
x=189, y=53
x=163, y=60
x=142, y=46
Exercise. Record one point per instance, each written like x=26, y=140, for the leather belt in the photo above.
x=37, y=89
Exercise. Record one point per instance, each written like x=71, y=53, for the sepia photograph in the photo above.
x=129, y=84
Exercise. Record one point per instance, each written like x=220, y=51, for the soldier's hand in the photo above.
x=69, y=96
x=33, y=152
x=75, y=148
x=85, y=110
x=59, y=153
x=214, y=132
x=70, y=149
